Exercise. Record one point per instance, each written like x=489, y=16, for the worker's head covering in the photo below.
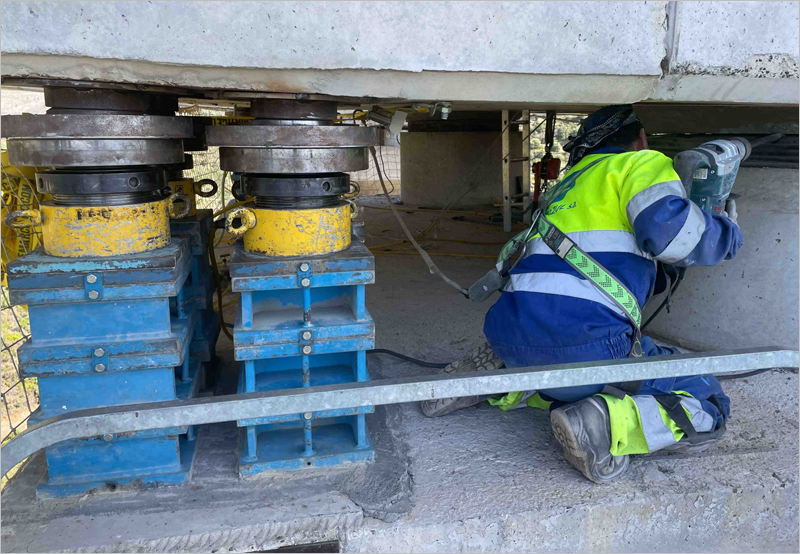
x=597, y=127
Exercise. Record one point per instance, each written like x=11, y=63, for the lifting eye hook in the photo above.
x=200, y=191
x=21, y=219
x=176, y=212
x=247, y=220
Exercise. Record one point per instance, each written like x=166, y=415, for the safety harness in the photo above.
x=563, y=247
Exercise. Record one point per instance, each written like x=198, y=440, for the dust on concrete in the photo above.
x=759, y=66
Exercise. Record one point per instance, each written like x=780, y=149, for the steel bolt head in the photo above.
x=306, y=282
x=306, y=335
x=94, y=295
x=307, y=415
x=91, y=279
x=99, y=352
x=304, y=267
x=100, y=368
x=306, y=350
x=108, y=437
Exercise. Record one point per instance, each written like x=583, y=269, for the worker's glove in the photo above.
x=730, y=211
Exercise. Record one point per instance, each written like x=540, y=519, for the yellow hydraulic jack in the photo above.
x=99, y=231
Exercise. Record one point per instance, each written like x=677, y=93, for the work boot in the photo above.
x=584, y=430
x=483, y=359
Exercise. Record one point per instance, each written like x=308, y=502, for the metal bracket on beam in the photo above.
x=506, y=144
x=199, y=411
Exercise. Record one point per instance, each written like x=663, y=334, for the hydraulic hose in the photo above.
x=428, y=260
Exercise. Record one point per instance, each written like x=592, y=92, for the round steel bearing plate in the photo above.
x=270, y=136
x=325, y=184
x=93, y=152
x=292, y=109
x=99, y=182
x=293, y=160
x=54, y=126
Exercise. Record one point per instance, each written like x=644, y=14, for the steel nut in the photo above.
x=306, y=350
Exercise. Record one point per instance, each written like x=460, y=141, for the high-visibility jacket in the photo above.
x=627, y=211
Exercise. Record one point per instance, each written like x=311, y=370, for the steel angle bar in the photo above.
x=506, y=145
x=157, y=415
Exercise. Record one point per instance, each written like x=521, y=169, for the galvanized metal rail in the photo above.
x=157, y=415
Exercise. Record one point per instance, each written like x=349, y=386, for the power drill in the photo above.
x=709, y=170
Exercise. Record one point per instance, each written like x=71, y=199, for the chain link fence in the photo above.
x=19, y=396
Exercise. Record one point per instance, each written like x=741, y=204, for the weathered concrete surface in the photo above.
x=751, y=300
x=455, y=169
x=748, y=45
x=480, y=480
x=435, y=36
x=523, y=52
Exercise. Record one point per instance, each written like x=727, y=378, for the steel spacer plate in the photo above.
x=326, y=184
x=99, y=152
x=293, y=160
x=95, y=99
x=186, y=164
x=53, y=126
x=292, y=135
x=292, y=109
x=99, y=182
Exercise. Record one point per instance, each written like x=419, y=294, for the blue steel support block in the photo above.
x=105, y=332
x=281, y=447
x=204, y=343
x=303, y=322
x=143, y=458
x=196, y=229
x=39, y=279
x=200, y=284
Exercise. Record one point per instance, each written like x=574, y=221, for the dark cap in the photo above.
x=597, y=127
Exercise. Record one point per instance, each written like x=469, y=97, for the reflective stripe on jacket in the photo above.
x=627, y=211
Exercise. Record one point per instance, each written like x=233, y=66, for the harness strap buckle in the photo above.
x=672, y=405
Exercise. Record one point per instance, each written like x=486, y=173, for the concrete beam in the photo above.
x=495, y=55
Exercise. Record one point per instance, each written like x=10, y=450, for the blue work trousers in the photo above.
x=702, y=387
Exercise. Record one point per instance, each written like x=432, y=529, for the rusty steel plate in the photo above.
x=271, y=136
x=76, y=126
x=293, y=160
x=94, y=152
x=292, y=109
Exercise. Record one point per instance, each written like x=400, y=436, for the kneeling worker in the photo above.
x=625, y=206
